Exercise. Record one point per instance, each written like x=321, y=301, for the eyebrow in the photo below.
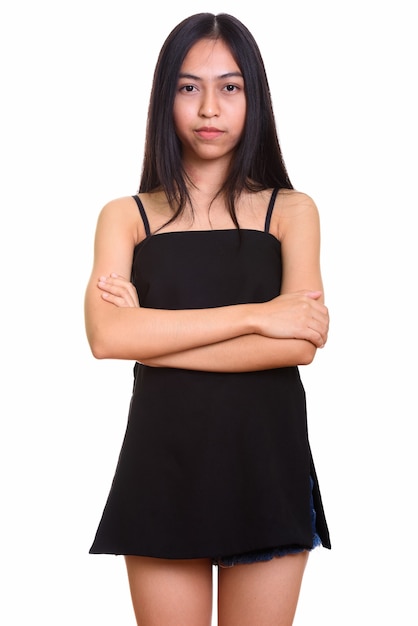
x=222, y=76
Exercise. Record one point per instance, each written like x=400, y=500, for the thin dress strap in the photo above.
x=270, y=209
x=143, y=215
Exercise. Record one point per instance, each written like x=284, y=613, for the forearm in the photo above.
x=241, y=354
x=138, y=333
x=142, y=334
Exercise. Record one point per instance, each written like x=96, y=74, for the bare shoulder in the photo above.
x=119, y=208
x=122, y=214
x=292, y=203
x=294, y=212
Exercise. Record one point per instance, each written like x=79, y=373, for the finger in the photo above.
x=116, y=300
x=119, y=276
x=124, y=288
x=319, y=330
x=114, y=279
x=313, y=294
x=119, y=297
x=112, y=287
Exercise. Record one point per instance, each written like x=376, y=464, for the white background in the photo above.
x=75, y=80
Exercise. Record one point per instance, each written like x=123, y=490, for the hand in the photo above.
x=118, y=291
x=296, y=316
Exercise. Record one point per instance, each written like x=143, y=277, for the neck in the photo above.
x=207, y=177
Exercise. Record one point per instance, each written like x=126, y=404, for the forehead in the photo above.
x=211, y=56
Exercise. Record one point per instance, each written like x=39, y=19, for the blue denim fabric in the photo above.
x=257, y=556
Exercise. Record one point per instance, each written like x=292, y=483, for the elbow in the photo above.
x=98, y=350
x=98, y=353
x=99, y=346
x=102, y=338
x=307, y=353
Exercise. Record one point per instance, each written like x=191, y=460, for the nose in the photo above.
x=209, y=105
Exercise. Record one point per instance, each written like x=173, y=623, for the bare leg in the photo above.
x=169, y=592
x=265, y=594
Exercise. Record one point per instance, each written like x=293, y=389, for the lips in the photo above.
x=209, y=132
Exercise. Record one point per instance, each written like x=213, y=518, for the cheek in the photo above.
x=244, y=116
x=181, y=116
x=176, y=116
x=240, y=117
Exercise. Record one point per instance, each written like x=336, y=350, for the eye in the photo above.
x=230, y=88
x=187, y=88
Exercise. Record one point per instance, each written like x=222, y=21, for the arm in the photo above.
x=248, y=353
x=298, y=228
x=132, y=332
x=294, y=315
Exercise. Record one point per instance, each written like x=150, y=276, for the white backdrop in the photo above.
x=75, y=80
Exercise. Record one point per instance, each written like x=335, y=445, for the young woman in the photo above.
x=209, y=279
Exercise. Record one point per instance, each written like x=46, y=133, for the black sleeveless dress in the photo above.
x=212, y=464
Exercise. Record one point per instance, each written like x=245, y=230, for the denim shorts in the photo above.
x=257, y=556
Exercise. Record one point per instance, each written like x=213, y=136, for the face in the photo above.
x=210, y=104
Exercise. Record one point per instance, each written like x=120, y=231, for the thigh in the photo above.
x=170, y=592
x=264, y=593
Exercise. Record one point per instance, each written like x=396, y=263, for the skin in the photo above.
x=179, y=593
x=209, y=115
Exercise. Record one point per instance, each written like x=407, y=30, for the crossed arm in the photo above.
x=283, y=332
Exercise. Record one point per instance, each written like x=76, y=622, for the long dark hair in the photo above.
x=257, y=163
